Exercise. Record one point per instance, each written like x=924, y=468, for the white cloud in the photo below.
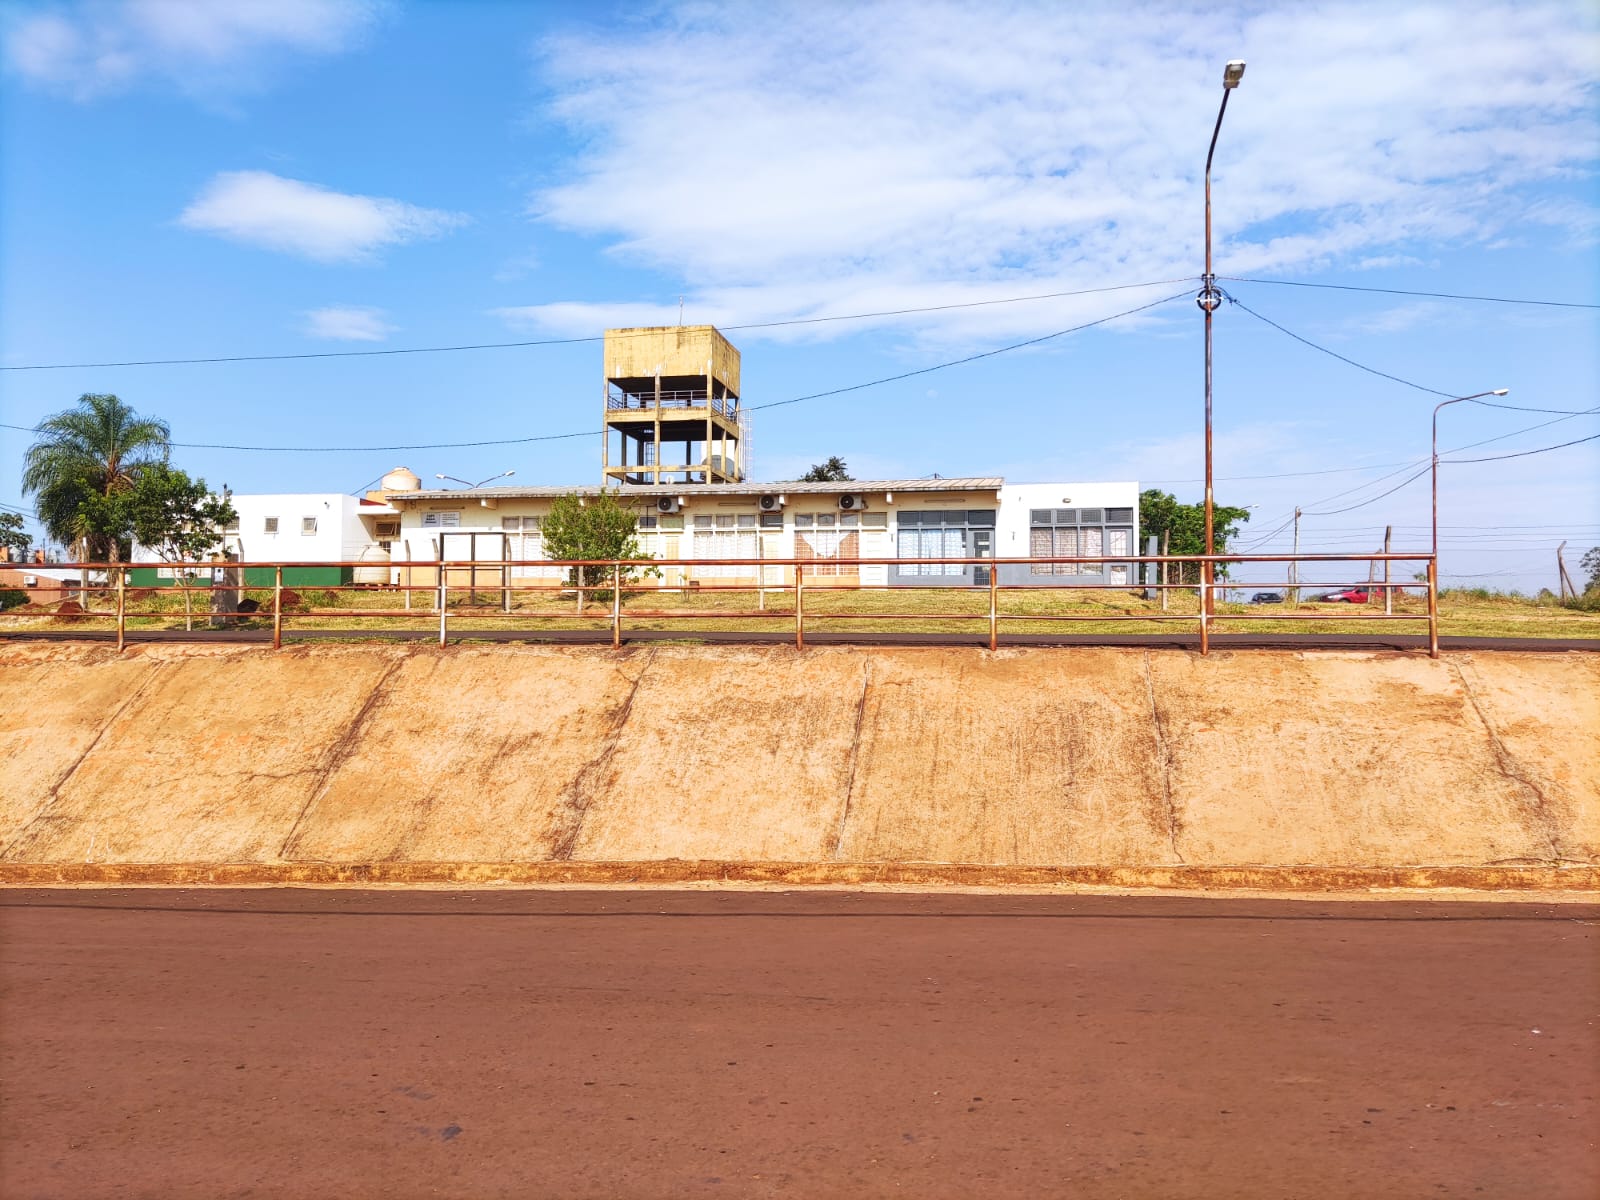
x=348, y=324
x=262, y=209
x=197, y=45
x=1400, y=318
x=871, y=154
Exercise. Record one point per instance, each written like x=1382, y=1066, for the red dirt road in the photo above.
x=280, y=1043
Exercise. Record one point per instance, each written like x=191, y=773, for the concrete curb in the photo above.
x=1533, y=879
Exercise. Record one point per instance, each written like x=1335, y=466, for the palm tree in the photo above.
x=88, y=453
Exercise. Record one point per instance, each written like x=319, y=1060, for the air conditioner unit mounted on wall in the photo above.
x=667, y=504
x=771, y=502
x=851, y=503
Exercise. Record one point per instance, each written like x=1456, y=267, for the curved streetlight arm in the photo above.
x=1435, y=459
x=479, y=484
x=1210, y=154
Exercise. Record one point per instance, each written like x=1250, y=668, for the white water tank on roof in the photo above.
x=401, y=479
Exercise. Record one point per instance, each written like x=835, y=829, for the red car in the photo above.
x=1346, y=596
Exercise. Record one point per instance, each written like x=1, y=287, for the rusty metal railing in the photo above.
x=610, y=593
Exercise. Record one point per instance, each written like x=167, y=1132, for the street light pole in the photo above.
x=1435, y=468
x=1208, y=300
x=480, y=483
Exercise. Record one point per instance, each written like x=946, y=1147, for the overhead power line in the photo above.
x=1305, y=341
x=1525, y=453
x=1425, y=470
x=856, y=387
x=551, y=437
x=1350, y=287
x=575, y=341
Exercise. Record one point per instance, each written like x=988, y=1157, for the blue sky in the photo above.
x=189, y=180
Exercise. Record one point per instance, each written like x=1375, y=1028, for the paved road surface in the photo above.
x=634, y=1043
x=1170, y=640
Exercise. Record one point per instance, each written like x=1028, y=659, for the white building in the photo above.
x=909, y=521
x=308, y=529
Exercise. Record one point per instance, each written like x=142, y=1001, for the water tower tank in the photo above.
x=400, y=480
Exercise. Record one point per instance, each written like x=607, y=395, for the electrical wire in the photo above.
x=1425, y=470
x=575, y=341
x=1524, y=453
x=552, y=437
x=1348, y=287
x=1362, y=504
x=856, y=387
x=1335, y=354
x=1571, y=412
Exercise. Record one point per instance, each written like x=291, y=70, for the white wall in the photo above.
x=339, y=536
x=1017, y=499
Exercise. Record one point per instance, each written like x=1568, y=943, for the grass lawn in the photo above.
x=926, y=610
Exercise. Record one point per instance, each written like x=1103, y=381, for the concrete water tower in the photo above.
x=671, y=407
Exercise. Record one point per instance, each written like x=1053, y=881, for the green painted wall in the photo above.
x=256, y=577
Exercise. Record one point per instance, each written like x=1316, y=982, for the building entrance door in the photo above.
x=982, y=547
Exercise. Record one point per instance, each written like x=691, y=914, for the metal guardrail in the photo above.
x=621, y=584
x=671, y=398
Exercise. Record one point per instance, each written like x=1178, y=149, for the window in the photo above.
x=1052, y=543
x=308, y=526
x=874, y=520
x=772, y=520
x=1085, y=534
x=269, y=525
x=938, y=533
x=722, y=541
x=647, y=521
x=819, y=546
x=232, y=527
x=524, y=544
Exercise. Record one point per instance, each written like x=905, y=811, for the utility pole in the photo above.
x=1209, y=299
x=1166, y=575
x=1388, y=592
x=1568, y=591
x=1294, y=567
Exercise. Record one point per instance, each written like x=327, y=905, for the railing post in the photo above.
x=1433, y=607
x=444, y=604
x=616, y=606
x=994, y=606
x=277, y=608
x=122, y=609
x=799, y=607
x=1205, y=591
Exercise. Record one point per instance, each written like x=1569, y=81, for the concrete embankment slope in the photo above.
x=378, y=762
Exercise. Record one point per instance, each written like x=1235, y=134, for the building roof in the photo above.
x=786, y=487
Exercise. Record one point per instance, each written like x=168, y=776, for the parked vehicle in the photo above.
x=1267, y=598
x=1355, y=595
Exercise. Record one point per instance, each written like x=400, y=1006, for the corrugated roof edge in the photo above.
x=982, y=483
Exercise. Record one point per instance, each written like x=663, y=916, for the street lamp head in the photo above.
x=1500, y=392
x=441, y=476
x=1232, y=73
x=508, y=474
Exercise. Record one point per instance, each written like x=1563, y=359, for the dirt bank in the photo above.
x=1090, y=761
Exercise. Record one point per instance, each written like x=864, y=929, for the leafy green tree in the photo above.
x=13, y=536
x=178, y=519
x=834, y=470
x=596, y=527
x=1590, y=562
x=84, y=457
x=1185, y=528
